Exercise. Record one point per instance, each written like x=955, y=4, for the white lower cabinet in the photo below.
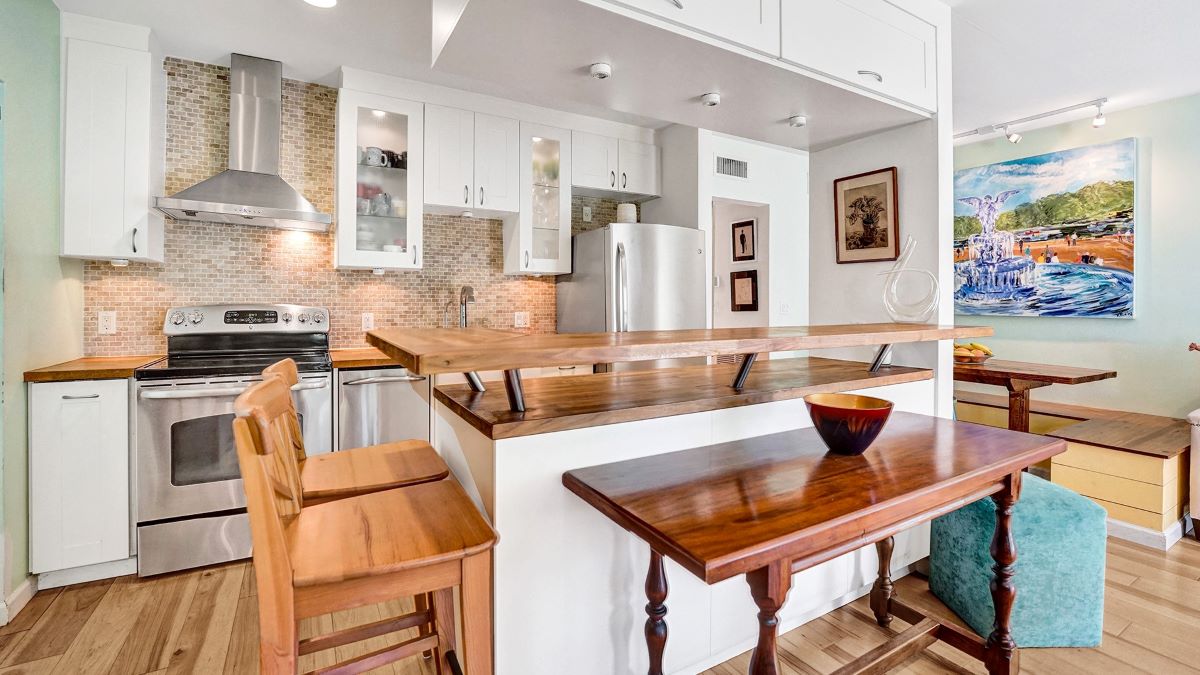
x=79, y=503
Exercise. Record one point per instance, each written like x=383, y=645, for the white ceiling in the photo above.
x=1014, y=58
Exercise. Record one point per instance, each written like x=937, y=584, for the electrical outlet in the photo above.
x=520, y=319
x=587, y=214
x=107, y=322
x=368, y=321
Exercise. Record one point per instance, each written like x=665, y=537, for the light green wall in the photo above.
x=43, y=294
x=1156, y=374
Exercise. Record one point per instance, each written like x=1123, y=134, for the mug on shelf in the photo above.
x=375, y=157
x=381, y=204
x=396, y=159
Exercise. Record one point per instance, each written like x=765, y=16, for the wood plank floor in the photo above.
x=206, y=621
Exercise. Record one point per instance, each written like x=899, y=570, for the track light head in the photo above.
x=1012, y=136
x=1099, y=120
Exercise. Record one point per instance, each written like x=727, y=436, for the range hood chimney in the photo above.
x=250, y=191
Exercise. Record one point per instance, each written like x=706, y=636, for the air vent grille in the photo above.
x=736, y=168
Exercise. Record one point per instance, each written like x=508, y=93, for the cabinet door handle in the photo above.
x=526, y=258
x=612, y=180
x=466, y=194
x=677, y=3
x=624, y=180
x=873, y=74
x=133, y=240
x=415, y=247
x=481, y=195
x=69, y=397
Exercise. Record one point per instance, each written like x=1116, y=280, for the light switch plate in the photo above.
x=520, y=319
x=368, y=321
x=107, y=323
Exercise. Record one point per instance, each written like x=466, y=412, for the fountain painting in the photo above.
x=1049, y=235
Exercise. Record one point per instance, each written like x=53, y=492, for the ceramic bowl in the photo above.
x=848, y=423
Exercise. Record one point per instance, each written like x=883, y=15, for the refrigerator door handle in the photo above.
x=622, y=289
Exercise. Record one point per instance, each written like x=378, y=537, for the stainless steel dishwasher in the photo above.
x=381, y=405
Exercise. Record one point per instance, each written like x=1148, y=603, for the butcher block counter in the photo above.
x=91, y=368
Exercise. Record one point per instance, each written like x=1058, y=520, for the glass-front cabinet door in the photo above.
x=539, y=242
x=379, y=182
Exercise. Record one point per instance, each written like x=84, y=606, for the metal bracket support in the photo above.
x=474, y=382
x=880, y=357
x=512, y=387
x=743, y=372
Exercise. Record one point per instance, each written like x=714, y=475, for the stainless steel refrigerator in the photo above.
x=632, y=277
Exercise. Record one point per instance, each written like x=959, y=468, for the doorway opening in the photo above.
x=741, y=269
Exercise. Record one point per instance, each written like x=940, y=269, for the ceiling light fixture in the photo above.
x=1012, y=136
x=1097, y=121
x=600, y=71
x=797, y=121
x=323, y=4
x=710, y=100
x=378, y=113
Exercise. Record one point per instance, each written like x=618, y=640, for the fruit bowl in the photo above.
x=961, y=358
x=848, y=423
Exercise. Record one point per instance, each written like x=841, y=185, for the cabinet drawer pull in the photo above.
x=69, y=397
x=526, y=258
x=133, y=240
x=384, y=379
x=677, y=3
x=871, y=73
x=466, y=194
x=481, y=195
x=624, y=180
x=612, y=180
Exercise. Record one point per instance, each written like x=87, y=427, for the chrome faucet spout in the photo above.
x=465, y=296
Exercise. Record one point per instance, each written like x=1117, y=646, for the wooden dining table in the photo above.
x=1019, y=377
x=771, y=506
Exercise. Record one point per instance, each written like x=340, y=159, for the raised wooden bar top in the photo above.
x=426, y=351
x=562, y=403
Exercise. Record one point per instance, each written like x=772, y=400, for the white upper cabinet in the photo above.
x=380, y=167
x=449, y=156
x=749, y=23
x=107, y=164
x=871, y=44
x=497, y=163
x=608, y=165
x=78, y=474
x=539, y=240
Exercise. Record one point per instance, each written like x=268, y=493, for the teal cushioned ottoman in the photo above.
x=1060, y=538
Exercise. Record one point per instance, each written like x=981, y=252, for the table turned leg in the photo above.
x=1000, y=654
x=656, y=610
x=883, y=590
x=769, y=587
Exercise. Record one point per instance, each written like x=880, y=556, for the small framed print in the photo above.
x=743, y=287
x=745, y=246
x=866, y=217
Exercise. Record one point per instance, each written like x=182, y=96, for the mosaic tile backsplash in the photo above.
x=219, y=263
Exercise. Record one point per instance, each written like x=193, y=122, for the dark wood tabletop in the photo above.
x=578, y=401
x=727, y=509
x=999, y=372
x=427, y=351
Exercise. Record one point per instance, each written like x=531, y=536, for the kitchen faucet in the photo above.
x=466, y=295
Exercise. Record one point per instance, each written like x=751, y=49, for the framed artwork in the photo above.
x=1048, y=235
x=745, y=246
x=866, y=215
x=743, y=287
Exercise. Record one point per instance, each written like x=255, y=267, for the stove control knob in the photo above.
x=318, y=317
x=303, y=318
x=177, y=318
x=196, y=317
x=287, y=317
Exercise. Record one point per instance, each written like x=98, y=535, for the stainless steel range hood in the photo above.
x=250, y=192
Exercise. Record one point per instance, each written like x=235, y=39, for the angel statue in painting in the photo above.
x=990, y=247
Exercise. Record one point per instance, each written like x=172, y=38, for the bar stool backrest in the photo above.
x=287, y=371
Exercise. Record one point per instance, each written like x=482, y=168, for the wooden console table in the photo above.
x=1020, y=377
x=772, y=506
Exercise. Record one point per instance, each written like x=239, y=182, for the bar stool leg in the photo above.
x=656, y=611
x=421, y=604
x=443, y=623
x=477, y=613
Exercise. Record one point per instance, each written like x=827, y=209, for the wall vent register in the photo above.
x=736, y=168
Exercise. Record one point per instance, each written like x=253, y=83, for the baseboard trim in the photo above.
x=79, y=575
x=16, y=601
x=1161, y=541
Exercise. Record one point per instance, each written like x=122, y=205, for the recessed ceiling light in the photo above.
x=600, y=71
x=323, y=4
x=711, y=99
x=797, y=121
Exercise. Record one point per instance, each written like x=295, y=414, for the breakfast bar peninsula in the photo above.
x=564, y=570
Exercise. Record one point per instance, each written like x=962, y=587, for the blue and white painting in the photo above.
x=1049, y=235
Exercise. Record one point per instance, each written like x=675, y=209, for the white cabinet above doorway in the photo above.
x=618, y=168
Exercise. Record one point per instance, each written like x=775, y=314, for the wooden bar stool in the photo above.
x=357, y=471
x=363, y=550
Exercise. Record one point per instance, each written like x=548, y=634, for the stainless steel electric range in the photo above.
x=190, y=507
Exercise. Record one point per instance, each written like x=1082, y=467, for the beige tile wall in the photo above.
x=216, y=263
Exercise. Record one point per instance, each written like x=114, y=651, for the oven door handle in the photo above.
x=383, y=379
x=216, y=392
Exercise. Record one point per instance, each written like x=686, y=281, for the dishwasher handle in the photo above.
x=215, y=392
x=384, y=379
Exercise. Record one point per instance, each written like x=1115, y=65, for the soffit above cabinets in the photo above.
x=543, y=48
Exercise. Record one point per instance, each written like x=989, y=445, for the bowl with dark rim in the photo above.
x=848, y=423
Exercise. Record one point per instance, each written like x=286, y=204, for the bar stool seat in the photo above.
x=384, y=532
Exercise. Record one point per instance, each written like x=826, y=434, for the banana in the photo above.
x=981, y=347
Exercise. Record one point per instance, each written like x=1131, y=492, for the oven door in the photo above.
x=186, y=460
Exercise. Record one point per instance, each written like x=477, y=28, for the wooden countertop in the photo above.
x=999, y=372
x=727, y=509
x=363, y=357
x=578, y=401
x=451, y=350
x=1163, y=437
x=91, y=368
